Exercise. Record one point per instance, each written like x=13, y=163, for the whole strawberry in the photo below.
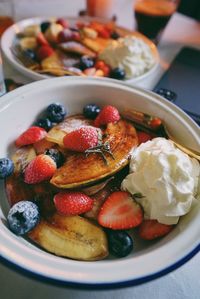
x=39, y=169
x=81, y=139
x=30, y=136
x=108, y=114
x=72, y=203
x=120, y=211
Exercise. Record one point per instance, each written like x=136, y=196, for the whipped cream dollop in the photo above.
x=167, y=179
x=130, y=53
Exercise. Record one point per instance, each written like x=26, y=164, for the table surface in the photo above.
x=183, y=283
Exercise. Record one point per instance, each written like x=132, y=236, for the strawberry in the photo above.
x=81, y=139
x=44, y=52
x=143, y=137
x=72, y=203
x=39, y=169
x=152, y=229
x=62, y=22
x=107, y=114
x=120, y=211
x=101, y=65
x=41, y=40
x=30, y=136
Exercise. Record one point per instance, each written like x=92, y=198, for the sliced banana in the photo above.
x=31, y=30
x=71, y=236
x=28, y=43
x=52, y=32
x=22, y=157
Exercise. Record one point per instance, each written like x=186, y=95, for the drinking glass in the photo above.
x=100, y=8
x=153, y=15
x=2, y=85
x=6, y=15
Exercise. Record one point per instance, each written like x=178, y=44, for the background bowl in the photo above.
x=19, y=109
x=9, y=36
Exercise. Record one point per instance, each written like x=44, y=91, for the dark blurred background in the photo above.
x=190, y=8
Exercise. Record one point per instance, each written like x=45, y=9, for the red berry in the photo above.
x=152, y=229
x=81, y=139
x=30, y=136
x=107, y=115
x=41, y=40
x=39, y=169
x=62, y=22
x=120, y=211
x=143, y=137
x=155, y=123
x=72, y=203
x=44, y=52
x=104, y=33
x=101, y=65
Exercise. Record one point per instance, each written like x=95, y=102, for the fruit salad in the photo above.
x=84, y=186
x=56, y=47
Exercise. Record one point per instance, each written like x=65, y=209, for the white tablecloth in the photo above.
x=183, y=283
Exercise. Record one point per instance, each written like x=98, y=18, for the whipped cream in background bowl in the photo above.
x=167, y=180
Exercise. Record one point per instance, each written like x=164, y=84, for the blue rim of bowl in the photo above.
x=101, y=286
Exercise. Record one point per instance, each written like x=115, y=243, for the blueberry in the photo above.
x=120, y=243
x=6, y=167
x=56, y=155
x=30, y=54
x=56, y=112
x=114, y=35
x=91, y=111
x=167, y=94
x=118, y=73
x=44, y=26
x=23, y=217
x=44, y=123
x=86, y=62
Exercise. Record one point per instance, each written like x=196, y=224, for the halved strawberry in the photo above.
x=41, y=39
x=81, y=139
x=39, y=169
x=72, y=203
x=143, y=137
x=107, y=114
x=44, y=52
x=152, y=229
x=30, y=136
x=120, y=211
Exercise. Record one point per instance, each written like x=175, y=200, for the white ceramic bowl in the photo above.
x=19, y=109
x=9, y=36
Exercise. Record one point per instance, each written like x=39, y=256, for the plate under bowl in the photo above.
x=19, y=109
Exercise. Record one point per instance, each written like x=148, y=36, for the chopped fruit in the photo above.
x=44, y=26
x=143, y=137
x=42, y=145
x=118, y=73
x=120, y=211
x=67, y=35
x=152, y=229
x=120, y=243
x=30, y=136
x=81, y=139
x=101, y=65
x=62, y=22
x=86, y=62
x=23, y=217
x=108, y=114
x=41, y=40
x=155, y=123
x=104, y=33
x=44, y=123
x=56, y=155
x=90, y=71
x=72, y=203
x=44, y=52
x=91, y=111
x=40, y=169
x=56, y=112
x=30, y=54
x=6, y=167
